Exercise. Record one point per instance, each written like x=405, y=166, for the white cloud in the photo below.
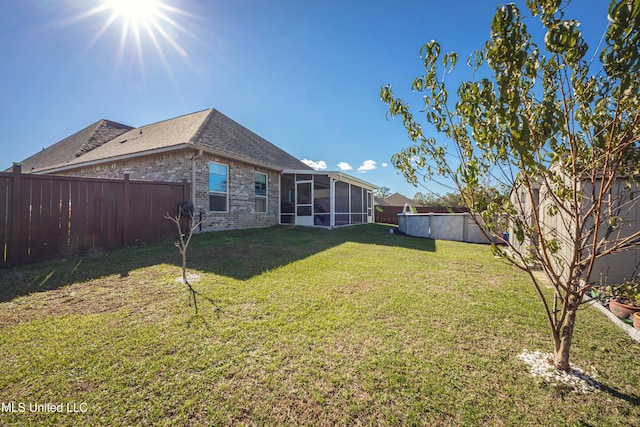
x=344, y=166
x=384, y=165
x=367, y=165
x=319, y=165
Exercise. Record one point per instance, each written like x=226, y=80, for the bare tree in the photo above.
x=184, y=238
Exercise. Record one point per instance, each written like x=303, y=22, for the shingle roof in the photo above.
x=74, y=146
x=397, y=199
x=222, y=134
x=379, y=201
x=164, y=134
x=208, y=129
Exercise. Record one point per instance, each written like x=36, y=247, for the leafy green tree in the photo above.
x=426, y=199
x=447, y=200
x=421, y=199
x=382, y=192
x=481, y=197
x=559, y=128
x=451, y=199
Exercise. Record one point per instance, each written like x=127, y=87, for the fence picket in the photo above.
x=46, y=217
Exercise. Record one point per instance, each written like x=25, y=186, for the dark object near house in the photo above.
x=186, y=209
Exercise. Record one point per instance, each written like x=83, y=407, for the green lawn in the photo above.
x=342, y=327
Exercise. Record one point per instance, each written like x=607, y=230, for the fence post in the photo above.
x=16, y=202
x=126, y=196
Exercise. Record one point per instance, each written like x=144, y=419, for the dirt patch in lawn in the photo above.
x=102, y=295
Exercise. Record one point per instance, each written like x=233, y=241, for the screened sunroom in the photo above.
x=324, y=199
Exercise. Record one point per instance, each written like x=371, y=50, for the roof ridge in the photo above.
x=84, y=145
x=91, y=144
x=200, y=129
x=207, y=129
x=249, y=130
x=172, y=118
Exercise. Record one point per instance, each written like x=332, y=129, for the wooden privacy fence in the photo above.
x=45, y=217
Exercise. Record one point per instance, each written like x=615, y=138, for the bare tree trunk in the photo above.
x=563, y=345
x=184, y=266
x=182, y=246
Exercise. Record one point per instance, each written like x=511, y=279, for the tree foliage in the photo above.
x=559, y=128
x=447, y=200
x=483, y=196
x=382, y=192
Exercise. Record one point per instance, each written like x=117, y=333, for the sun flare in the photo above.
x=144, y=30
x=134, y=12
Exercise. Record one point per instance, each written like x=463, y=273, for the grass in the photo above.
x=342, y=327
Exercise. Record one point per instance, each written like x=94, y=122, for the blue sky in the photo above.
x=304, y=75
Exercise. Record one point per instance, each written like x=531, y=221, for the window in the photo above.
x=342, y=203
x=357, y=205
x=261, y=192
x=322, y=200
x=287, y=199
x=356, y=200
x=342, y=197
x=218, y=187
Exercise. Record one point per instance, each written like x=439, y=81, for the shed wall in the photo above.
x=610, y=269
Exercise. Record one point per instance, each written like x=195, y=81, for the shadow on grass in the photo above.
x=240, y=254
x=634, y=400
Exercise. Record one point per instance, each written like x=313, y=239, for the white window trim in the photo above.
x=265, y=197
x=217, y=192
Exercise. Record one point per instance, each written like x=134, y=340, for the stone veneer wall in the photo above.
x=177, y=166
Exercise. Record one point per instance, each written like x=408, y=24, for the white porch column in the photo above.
x=332, y=197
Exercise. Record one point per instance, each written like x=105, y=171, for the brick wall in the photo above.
x=172, y=167
x=177, y=166
x=241, y=208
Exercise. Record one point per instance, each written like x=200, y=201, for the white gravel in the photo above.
x=190, y=278
x=541, y=366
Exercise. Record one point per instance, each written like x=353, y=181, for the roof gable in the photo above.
x=165, y=134
x=222, y=134
x=76, y=145
x=209, y=130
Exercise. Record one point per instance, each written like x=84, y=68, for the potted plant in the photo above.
x=636, y=320
x=625, y=298
x=598, y=293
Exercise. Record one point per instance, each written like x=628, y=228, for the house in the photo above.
x=396, y=199
x=610, y=269
x=238, y=179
